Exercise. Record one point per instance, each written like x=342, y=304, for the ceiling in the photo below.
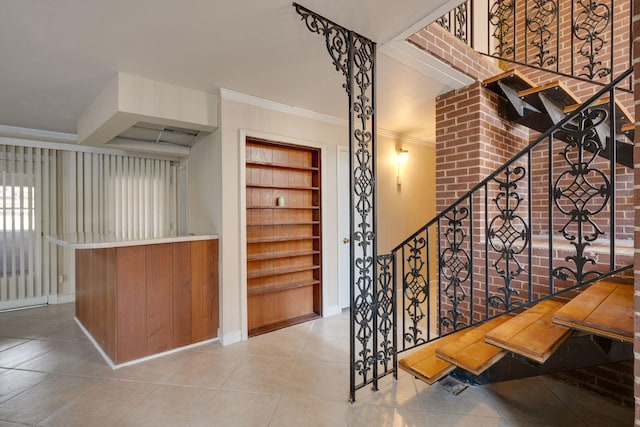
x=57, y=56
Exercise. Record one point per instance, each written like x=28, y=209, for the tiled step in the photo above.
x=531, y=333
x=604, y=308
x=424, y=363
x=469, y=351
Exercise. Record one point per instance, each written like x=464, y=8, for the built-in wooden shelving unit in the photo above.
x=283, y=235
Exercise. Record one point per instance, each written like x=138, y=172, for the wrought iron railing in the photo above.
x=550, y=220
x=583, y=39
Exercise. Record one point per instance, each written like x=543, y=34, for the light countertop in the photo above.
x=98, y=241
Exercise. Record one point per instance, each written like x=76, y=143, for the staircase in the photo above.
x=605, y=309
x=584, y=322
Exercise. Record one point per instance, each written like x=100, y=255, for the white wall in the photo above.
x=216, y=188
x=404, y=208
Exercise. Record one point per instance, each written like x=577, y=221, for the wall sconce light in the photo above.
x=401, y=157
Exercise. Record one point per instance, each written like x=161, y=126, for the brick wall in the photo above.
x=636, y=155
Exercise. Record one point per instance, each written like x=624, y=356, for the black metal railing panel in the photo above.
x=544, y=224
x=583, y=39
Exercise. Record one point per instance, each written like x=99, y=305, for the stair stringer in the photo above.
x=579, y=351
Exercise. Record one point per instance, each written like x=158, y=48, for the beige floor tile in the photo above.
x=319, y=380
x=268, y=375
x=102, y=405
x=472, y=401
x=382, y=416
x=238, y=410
x=14, y=382
x=67, y=331
x=208, y=370
x=282, y=343
x=23, y=353
x=27, y=327
x=61, y=357
x=402, y=393
x=591, y=409
x=168, y=406
x=8, y=424
x=326, y=349
x=293, y=412
x=154, y=370
x=44, y=399
x=528, y=400
x=7, y=343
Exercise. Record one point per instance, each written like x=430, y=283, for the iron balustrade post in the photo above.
x=550, y=211
x=394, y=309
x=530, y=220
x=486, y=251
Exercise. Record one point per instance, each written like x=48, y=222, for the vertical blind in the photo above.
x=122, y=197
x=28, y=263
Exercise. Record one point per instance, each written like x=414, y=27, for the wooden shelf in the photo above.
x=283, y=324
x=262, y=289
x=285, y=207
x=281, y=166
x=281, y=187
x=280, y=255
x=282, y=239
x=271, y=224
x=280, y=271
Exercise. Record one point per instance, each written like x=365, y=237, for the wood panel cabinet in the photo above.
x=283, y=235
x=137, y=301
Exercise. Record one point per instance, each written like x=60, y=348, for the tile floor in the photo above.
x=51, y=375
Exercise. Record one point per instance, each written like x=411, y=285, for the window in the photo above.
x=17, y=221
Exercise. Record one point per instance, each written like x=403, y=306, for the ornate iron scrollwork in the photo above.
x=416, y=290
x=456, y=21
x=455, y=267
x=590, y=24
x=443, y=21
x=386, y=314
x=582, y=191
x=540, y=19
x=501, y=18
x=508, y=236
x=354, y=56
x=336, y=39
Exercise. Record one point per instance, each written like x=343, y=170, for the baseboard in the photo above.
x=332, y=311
x=231, y=338
x=61, y=299
x=23, y=303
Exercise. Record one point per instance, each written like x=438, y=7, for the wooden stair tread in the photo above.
x=604, y=308
x=623, y=116
x=469, y=351
x=512, y=78
x=425, y=364
x=556, y=91
x=628, y=127
x=531, y=333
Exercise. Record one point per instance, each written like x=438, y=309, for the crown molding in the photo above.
x=39, y=135
x=405, y=138
x=255, y=101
